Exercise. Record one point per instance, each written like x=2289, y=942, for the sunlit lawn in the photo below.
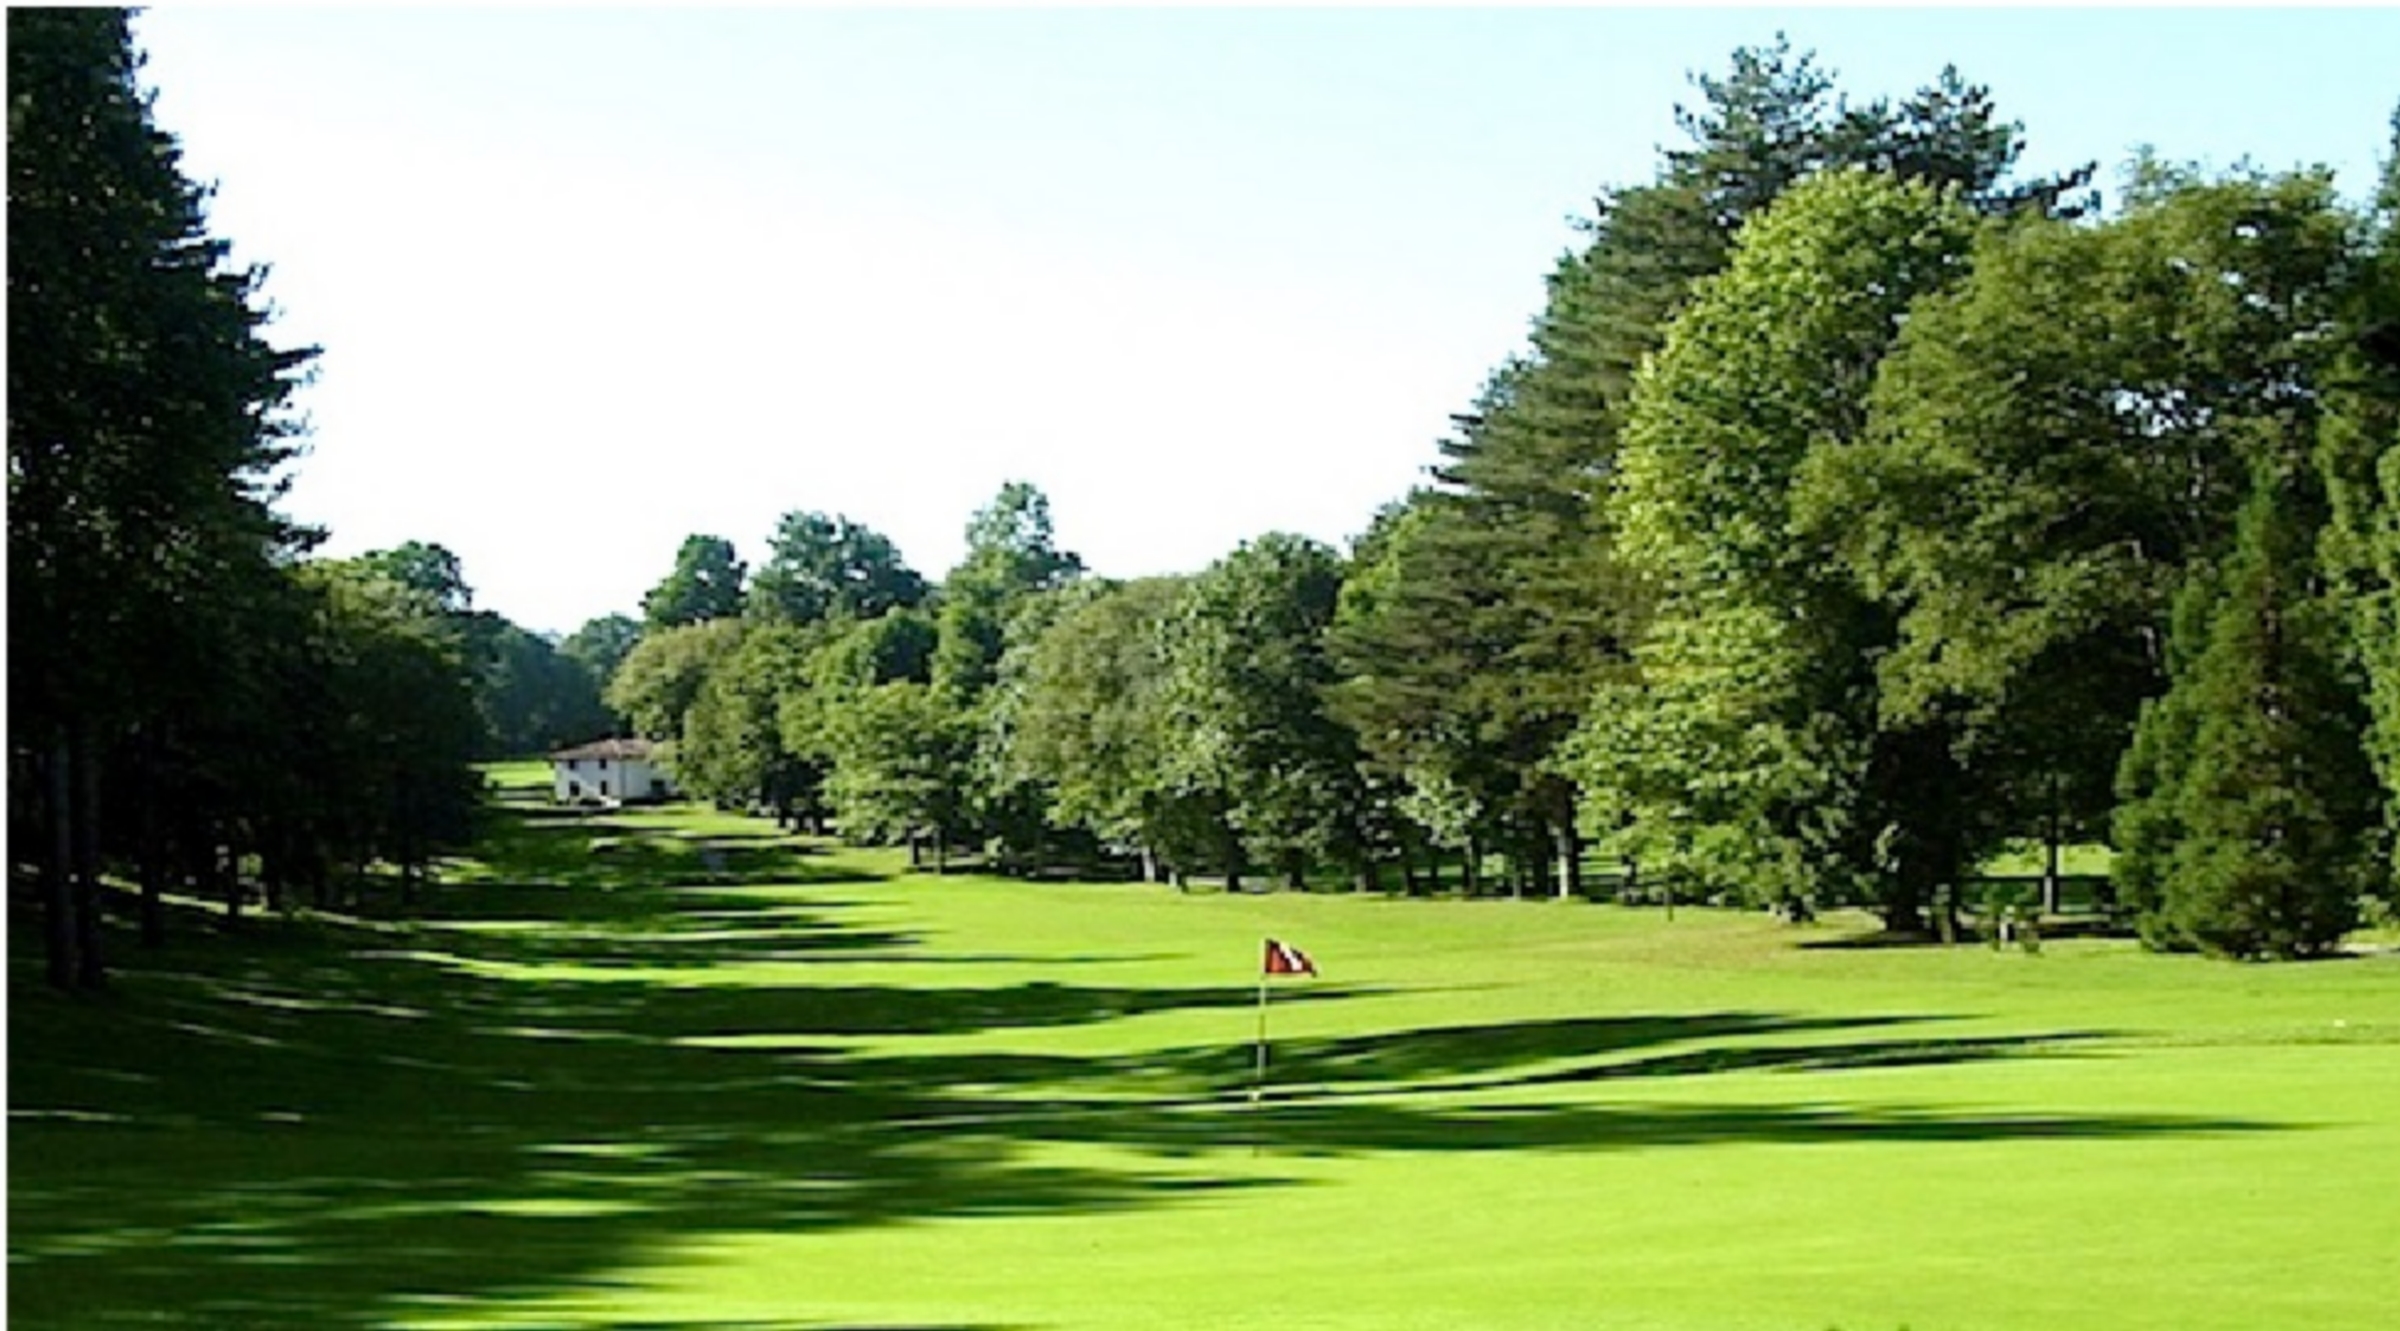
x=621, y=1082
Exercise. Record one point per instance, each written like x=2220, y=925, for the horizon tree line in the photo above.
x=1855, y=509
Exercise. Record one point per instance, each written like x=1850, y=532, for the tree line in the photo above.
x=195, y=701
x=1855, y=508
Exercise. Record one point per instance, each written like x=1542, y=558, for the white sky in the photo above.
x=590, y=280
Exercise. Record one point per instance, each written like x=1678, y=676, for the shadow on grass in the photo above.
x=328, y=1124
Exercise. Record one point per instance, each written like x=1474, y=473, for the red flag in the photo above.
x=1284, y=959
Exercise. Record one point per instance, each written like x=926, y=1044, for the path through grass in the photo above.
x=664, y=1069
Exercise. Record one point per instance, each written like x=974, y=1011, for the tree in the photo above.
x=1515, y=564
x=1012, y=555
x=820, y=566
x=733, y=748
x=901, y=753
x=2358, y=455
x=2052, y=444
x=1769, y=365
x=428, y=569
x=602, y=644
x=1249, y=732
x=662, y=678
x=705, y=584
x=1083, y=715
x=2249, y=801
x=147, y=419
x=533, y=696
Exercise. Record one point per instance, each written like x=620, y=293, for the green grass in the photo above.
x=660, y=1068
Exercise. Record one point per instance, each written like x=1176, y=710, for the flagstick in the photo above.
x=1258, y=1078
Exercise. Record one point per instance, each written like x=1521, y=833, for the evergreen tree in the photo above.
x=2358, y=454
x=2247, y=830
x=146, y=424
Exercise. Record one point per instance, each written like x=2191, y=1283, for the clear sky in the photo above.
x=590, y=280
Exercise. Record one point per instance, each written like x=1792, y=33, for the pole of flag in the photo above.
x=1280, y=959
x=1258, y=1075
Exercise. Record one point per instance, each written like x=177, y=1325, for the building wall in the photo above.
x=604, y=778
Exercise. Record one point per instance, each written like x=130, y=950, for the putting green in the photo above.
x=662, y=1069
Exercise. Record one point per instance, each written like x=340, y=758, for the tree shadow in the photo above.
x=337, y=1123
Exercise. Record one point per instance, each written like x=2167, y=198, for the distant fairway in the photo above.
x=622, y=1083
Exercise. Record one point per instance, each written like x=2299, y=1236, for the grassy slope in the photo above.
x=809, y=1090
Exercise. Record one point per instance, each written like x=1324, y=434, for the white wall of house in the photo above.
x=604, y=778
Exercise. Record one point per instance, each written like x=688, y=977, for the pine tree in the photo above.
x=2249, y=827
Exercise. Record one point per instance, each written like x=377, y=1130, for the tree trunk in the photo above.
x=1471, y=869
x=941, y=850
x=224, y=865
x=58, y=898
x=2051, y=833
x=1149, y=864
x=91, y=965
x=153, y=850
x=1570, y=860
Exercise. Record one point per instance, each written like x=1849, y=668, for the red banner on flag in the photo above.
x=1284, y=959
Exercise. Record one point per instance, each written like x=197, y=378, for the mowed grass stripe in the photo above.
x=666, y=1069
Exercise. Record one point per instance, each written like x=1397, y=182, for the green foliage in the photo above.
x=900, y=764
x=602, y=644
x=426, y=568
x=1749, y=752
x=1250, y=736
x=532, y=695
x=733, y=749
x=662, y=677
x=1011, y=555
x=705, y=584
x=1084, y=712
x=2358, y=455
x=2248, y=799
x=147, y=412
x=821, y=567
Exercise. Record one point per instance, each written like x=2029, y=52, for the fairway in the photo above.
x=613, y=1080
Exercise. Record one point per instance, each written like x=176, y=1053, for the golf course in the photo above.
x=667, y=1068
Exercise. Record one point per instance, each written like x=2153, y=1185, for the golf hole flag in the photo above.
x=1284, y=959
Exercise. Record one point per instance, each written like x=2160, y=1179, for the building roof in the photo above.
x=638, y=749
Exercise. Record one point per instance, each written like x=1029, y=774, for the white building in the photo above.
x=606, y=771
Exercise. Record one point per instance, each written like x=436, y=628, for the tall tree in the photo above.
x=147, y=419
x=1769, y=365
x=705, y=584
x=819, y=566
x=2053, y=443
x=1517, y=559
x=1250, y=732
x=427, y=568
x=2359, y=456
x=1012, y=555
x=1084, y=716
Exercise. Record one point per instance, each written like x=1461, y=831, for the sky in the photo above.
x=589, y=280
